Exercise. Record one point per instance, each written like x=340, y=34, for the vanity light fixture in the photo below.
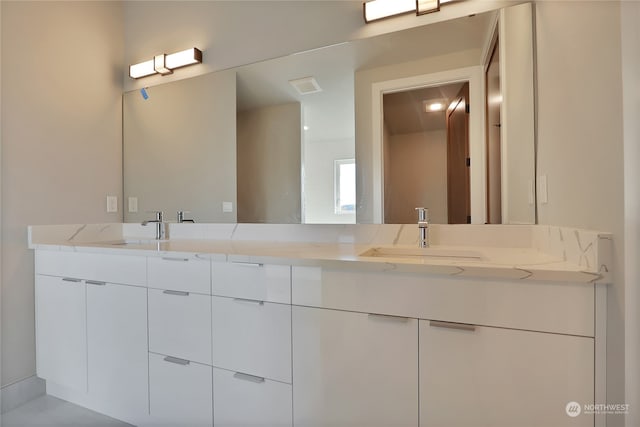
x=165, y=64
x=375, y=10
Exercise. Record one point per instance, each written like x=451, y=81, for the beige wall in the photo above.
x=61, y=141
x=363, y=81
x=580, y=140
x=180, y=145
x=417, y=169
x=268, y=140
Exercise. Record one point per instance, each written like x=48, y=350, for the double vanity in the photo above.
x=351, y=325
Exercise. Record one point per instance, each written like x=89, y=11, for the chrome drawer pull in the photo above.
x=94, y=282
x=178, y=293
x=247, y=264
x=249, y=301
x=387, y=317
x=176, y=360
x=70, y=279
x=174, y=259
x=450, y=325
x=247, y=377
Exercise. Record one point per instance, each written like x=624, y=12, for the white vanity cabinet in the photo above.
x=91, y=334
x=480, y=376
x=251, y=324
x=180, y=375
x=354, y=369
x=61, y=331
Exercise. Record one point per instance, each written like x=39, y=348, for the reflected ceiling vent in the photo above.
x=305, y=85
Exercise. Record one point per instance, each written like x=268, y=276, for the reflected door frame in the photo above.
x=477, y=125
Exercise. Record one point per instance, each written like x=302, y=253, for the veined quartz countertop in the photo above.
x=531, y=253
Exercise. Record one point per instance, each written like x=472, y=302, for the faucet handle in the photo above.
x=159, y=215
x=423, y=214
x=181, y=217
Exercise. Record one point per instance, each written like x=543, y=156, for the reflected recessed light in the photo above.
x=305, y=127
x=434, y=105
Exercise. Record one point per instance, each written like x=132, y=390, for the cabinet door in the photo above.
x=253, y=337
x=502, y=377
x=117, y=348
x=61, y=331
x=354, y=369
x=180, y=392
x=245, y=400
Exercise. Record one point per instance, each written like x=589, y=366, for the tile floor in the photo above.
x=50, y=411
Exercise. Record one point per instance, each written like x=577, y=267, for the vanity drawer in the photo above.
x=180, y=392
x=180, y=324
x=124, y=269
x=263, y=282
x=560, y=307
x=181, y=273
x=243, y=329
x=244, y=400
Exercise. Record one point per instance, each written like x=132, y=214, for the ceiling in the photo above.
x=404, y=112
x=329, y=114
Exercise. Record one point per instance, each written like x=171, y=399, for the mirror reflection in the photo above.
x=293, y=139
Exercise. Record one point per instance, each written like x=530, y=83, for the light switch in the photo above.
x=227, y=207
x=132, y=203
x=543, y=189
x=112, y=204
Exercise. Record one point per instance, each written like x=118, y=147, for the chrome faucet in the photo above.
x=423, y=227
x=161, y=226
x=182, y=219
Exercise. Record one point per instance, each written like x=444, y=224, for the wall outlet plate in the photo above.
x=112, y=204
x=132, y=204
x=227, y=207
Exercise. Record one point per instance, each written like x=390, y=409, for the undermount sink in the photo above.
x=422, y=253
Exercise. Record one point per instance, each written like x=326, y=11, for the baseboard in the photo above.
x=14, y=395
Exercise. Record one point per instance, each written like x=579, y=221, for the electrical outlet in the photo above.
x=227, y=207
x=132, y=203
x=112, y=204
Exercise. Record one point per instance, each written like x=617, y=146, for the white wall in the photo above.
x=319, y=157
x=630, y=16
x=61, y=141
x=580, y=140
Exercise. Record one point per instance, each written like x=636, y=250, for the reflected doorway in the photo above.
x=426, y=158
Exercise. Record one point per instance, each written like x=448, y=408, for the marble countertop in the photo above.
x=520, y=262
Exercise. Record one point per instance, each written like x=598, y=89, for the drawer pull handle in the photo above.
x=95, y=282
x=176, y=360
x=174, y=259
x=249, y=301
x=70, y=279
x=387, y=317
x=450, y=325
x=247, y=264
x=247, y=377
x=177, y=293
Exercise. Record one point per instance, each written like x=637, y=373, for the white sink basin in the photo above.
x=422, y=253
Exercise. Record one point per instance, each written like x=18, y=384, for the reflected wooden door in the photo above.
x=494, y=162
x=458, y=161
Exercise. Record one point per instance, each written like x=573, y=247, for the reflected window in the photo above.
x=345, y=186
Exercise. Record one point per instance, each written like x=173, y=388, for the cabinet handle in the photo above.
x=176, y=360
x=247, y=377
x=70, y=279
x=249, y=301
x=247, y=264
x=450, y=325
x=178, y=293
x=174, y=259
x=94, y=282
x=387, y=317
